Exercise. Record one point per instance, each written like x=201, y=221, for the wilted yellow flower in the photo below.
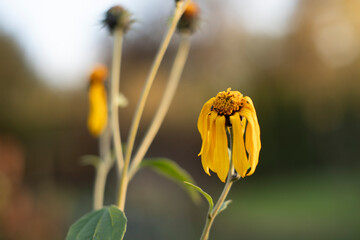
x=231, y=111
x=98, y=113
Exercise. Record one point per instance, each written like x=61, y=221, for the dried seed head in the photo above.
x=118, y=17
x=190, y=18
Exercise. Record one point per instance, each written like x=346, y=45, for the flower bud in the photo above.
x=190, y=18
x=117, y=17
x=99, y=74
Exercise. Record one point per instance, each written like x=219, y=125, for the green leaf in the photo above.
x=174, y=172
x=122, y=100
x=224, y=205
x=205, y=194
x=91, y=160
x=108, y=223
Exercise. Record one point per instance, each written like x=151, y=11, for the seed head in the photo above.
x=118, y=17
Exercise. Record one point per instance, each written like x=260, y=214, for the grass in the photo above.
x=309, y=206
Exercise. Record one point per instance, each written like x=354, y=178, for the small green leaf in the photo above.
x=173, y=171
x=90, y=160
x=122, y=100
x=205, y=194
x=224, y=205
x=108, y=223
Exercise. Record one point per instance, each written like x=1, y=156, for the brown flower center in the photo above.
x=226, y=103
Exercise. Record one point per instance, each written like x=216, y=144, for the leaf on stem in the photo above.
x=224, y=205
x=122, y=100
x=91, y=160
x=174, y=172
x=205, y=194
x=107, y=223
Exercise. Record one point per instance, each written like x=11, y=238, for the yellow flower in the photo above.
x=229, y=111
x=98, y=113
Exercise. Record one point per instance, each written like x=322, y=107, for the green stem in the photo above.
x=99, y=186
x=180, y=8
x=103, y=168
x=115, y=84
x=175, y=74
x=211, y=216
x=229, y=181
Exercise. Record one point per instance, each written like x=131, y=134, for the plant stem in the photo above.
x=169, y=93
x=115, y=84
x=211, y=217
x=99, y=186
x=180, y=8
x=229, y=181
x=103, y=168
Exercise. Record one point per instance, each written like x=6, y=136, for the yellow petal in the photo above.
x=98, y=113
x=203, y=123
x=248, y=103
x=203, y=116
x=209, y=146
x=239, y=157
x=221, y=156
x=252, y=139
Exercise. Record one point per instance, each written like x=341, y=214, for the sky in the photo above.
x=61, y=40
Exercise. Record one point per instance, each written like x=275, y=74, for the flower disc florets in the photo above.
x=226, y=103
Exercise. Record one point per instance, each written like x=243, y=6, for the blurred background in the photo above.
x=297, y=59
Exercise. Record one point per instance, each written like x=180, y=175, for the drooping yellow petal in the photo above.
x=98, y=113
x=252, y=140
x=207, y=156
x=203, y=115
x=239, y=157
x=202, y=124
x=221, y=156
x=248, y=103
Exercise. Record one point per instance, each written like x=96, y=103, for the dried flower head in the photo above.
x=118, y=17
x=229, y=109
x=190, y=18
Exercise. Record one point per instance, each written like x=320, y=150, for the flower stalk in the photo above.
x=103, y=168
x=175, y=74
x=180, y=8
x=115, y=84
